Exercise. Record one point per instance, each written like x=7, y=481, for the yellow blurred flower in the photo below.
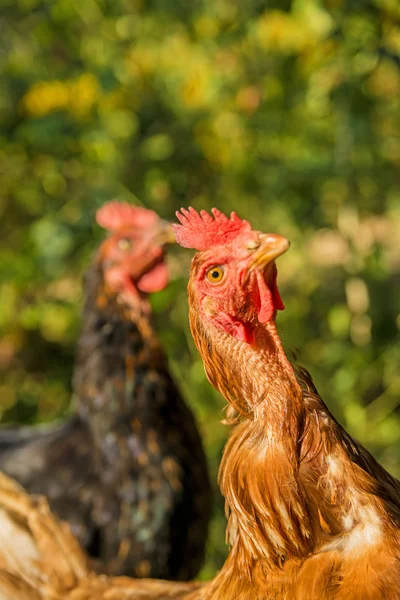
x=77, y=96
x=83, y=93
x=281, y=32
x=196, y=87
x=288, y=33
x=45, y=97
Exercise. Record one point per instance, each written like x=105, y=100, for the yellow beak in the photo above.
x=272, y=245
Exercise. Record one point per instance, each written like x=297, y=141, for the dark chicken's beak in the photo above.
x=271, y=246
x=165, y=235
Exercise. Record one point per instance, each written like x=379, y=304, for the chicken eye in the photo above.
x=124, y=244
x=215, y=274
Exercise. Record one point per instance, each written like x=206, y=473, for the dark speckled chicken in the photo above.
x=128, y=471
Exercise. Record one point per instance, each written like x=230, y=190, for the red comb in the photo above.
x=115, y=215
x=202, y=231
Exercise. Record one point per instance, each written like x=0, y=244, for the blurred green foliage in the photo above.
x=288, y=112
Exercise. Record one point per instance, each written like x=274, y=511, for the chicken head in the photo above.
x=133, y=256
x=233, y=277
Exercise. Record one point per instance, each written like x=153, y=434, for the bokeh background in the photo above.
x=287, y=112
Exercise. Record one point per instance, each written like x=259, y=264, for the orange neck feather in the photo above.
x=286, y=471
x=268, y=518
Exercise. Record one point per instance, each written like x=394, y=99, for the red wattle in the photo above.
x=267, y=308
x=235, y=328
x=155, y=280
x=275, y=292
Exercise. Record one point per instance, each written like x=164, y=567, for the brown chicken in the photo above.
x=312, y=515
x=127, y=471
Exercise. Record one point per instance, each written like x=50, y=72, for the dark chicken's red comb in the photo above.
x=116, y=215
x=202, y=231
